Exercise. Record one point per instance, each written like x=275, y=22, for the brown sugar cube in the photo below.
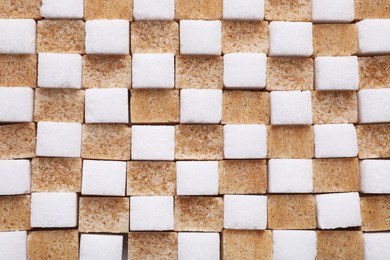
x=198, y=213
x=56, y=244
x=374, y=141
x=242, y=176
x=290, y=142
x=294, y=10
x=154, y=106
x=335, y=39
x=244, y=36
x=199, y=72
x=199, y=142
x=104, y=214
x=18, y=70
x=198, y=9
x=21, y=9
x=374, y=72
x=334, y=107
x=15, y=212
x=106, y=141
x=339, y=245
x=152, y=245
x=17, y=141
x=247, y=244
x=289, y=73
x=155, y=37
x=375, y=213
x=108, y=9
x=291, y=212
x=65, y=36
x=378, y=9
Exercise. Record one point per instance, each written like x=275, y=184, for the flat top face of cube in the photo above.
x=375, y=245
x=16, y=104
x=373, y=174
x=243, y=10
x=374, y=106
x=154, y=10
x=198, y=9
x=372, y=36
x=280, y=10
x=294, y=244
x=100, y=246
x=160, y=244
x=73, y=9
x=114, y=9
x=13, y=245
x=15, y=177
x=18, y=36
x=199, y=245
x=329, y=244
x=333, y=11
x=15, y=213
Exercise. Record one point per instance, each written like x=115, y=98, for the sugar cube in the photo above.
x=374, y=105
x=194, y=245
x=336, y=73
x=243, y=9
x=294, y=244
x=57, y=70
x=244, y=70
x=291, y=107
x=104, y=178
x=335, y=140
x=374, y=176
x=151, y=213
x=15, y=177
x=374, y=36
x=154, y=9
x=53, y=209
x=59, y=139
x=200, y=37
x=338, y=210
x=153, y=70
x=13, y=245
x=376, y=246
x=245, y=212
x=59, y=9
x=107, y=36
x=333, y=11
x=197, y=178
x=16, y=104
x=101, y=247
x=245, y=141
x=17, y=36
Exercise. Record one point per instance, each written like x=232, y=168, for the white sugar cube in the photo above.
x=154, y=9
x=375, y=176
x=335, y=140
x=200, y=37
x=104, y=178
x=153, y=142
x=153, y=70
x=59, y=70
x=290, y=39
x=53, y=209
x=201, y=106
x=244, y=70
x=58, y=139
x=333, y=10
x=245, y=212
x=243, y=9
x=374, y=36
x=376, y=246
x=338, y=210
x=197, y=178
x=17, y=36
x=69, y=9
x=290, y=175
x=151, y=213
x=101, y=247
x=245, y=141
x=196, y=246
x=106, y=105
x=16, y=104
x=107, y=37
x=336, y=73
x=294, y=244
x=291, y=107
x=374, y=105
x=13, y=245
x=15, y=177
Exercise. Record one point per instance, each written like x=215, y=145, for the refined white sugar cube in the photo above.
x=57, y=70
x=333, y=10
x=153, y=143
x=245, y=212
x=196, y=246
x=200, y=37
x=154, y=9
x=153, y=70
x=335, y=140
x=13, y=245
x=376, y=246
x=197, y=178
x=104, y=178
x=336, y=73
x=290, y=175
x=58, y=139
x=17, y=36
x=290, y=39
x=245, y=141
x=375, y=176
x=53, y=209
x=16, y=104
x=244, y=70
x=15, y=177
x=151, y=213
x=243, y=9
x=101, y=247
x=374, y=105
x=69, y=9
x=106, y=105
x=291, y=108
x=338, y=210
x=107, y=37
x=374, y=36
x=294, y=244
x=201, y=106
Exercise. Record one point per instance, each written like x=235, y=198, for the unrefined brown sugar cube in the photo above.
x=152, y=245
x=374, y=9
x=15, y=212
x=20, y=9
x=294, y=10
x=17, y=141
x=374, y=72
x=18, y=70
x=374, y=140
x=198, y=9
x=375, y=212
x=108, y=9
x=339, y=245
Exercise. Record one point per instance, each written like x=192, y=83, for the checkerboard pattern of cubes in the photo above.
x=194, y=129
